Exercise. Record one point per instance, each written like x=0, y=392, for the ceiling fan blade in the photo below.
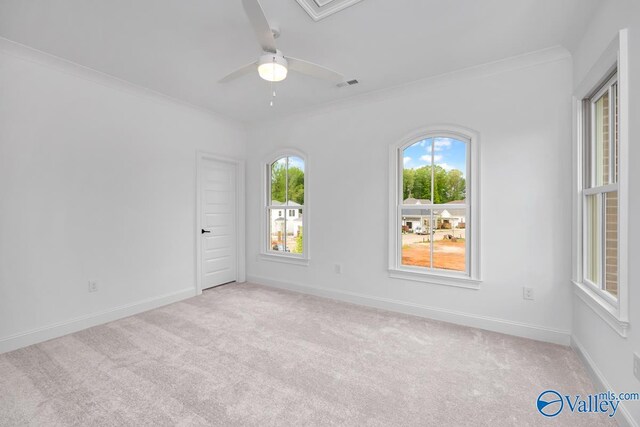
x=260, y=25
x=314, y=70
x=247, y=69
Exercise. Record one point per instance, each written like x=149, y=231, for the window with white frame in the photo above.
x=285, y=207
x=433, y=229
x=601, y=186
x=600, y=216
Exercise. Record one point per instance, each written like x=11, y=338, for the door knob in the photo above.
x=205, y=231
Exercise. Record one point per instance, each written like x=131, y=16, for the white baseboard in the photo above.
x=623, y=417
x=482, y=322
x=59, y=329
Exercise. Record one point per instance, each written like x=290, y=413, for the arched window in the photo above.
x=434, y=207
x=285, y=230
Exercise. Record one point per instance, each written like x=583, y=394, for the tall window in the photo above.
x=601, y=183
x=432, y=225
x=600, y=189
x=285, y=210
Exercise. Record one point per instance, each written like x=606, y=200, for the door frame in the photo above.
x=201, y=156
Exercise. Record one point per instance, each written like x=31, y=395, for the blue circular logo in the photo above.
x=550, y=403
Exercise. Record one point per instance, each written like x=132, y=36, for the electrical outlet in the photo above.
x=338, y=269
x=636, y=365
x=527, y=293
x=93, y=286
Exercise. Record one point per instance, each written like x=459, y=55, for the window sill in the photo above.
x=285, y=259
x=602, y=308
x=436, y=279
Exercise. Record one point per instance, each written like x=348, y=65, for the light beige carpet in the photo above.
x=251, y=355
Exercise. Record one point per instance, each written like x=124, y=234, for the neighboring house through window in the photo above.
x=434, y=207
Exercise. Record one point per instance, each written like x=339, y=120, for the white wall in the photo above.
x=610, y=354
x=521, y=108
x=97, y=181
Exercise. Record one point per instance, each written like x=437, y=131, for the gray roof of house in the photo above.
x=413, y=201
x=289, y=203
x=413, y=213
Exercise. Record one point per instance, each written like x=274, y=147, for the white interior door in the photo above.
x=218, y=219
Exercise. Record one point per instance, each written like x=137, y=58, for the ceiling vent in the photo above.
x=348, y=83
x=319, y=9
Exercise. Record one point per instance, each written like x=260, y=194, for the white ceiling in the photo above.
x=182, y=47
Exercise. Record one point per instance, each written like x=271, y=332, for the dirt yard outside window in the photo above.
x=448, y=254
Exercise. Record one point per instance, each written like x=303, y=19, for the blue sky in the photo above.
x=448, y=153
x=293, y=162
x=296, y=162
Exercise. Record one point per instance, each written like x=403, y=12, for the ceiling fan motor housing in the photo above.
x=273, y=67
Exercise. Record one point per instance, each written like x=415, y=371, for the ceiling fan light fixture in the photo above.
x=273, y=67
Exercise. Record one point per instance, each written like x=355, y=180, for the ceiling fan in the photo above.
x=272, y=65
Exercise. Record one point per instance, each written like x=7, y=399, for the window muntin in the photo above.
x=433, y=208
x=285, y=206
x=600, y=190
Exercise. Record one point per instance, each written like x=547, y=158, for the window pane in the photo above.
x=587, y=144
x=415, y=231
x=416, y=173
x=611, y=232
x=601, y=140
x=593, y=220
x=295, y=242
x=434, y=172
x=614, y=93
x=277, y=240
x=449, y=239
x=296, y=181
x=278, y=181
x=450, y=170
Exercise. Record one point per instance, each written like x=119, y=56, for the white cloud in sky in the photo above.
x=406, y=160
x=427, y=158
x=440, y=143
